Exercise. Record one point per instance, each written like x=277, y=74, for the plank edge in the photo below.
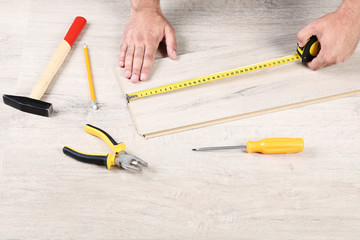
x=251, y=114
x=117, y=75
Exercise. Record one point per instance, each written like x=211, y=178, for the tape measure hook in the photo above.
x=128, y=98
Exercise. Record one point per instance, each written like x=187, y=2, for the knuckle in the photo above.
x=140, y=48
x=146, y=64
x=145, y=68
x=139, y=53
x=128, y=59
x=129, y=51
x=128, y=63
x=129, y=54
x=138, y=56
x=123, y=48
x=128, y=67
x=149, y=56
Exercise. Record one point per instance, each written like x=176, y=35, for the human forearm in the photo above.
x=145, y=5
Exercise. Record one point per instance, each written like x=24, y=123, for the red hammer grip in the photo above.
x=75, y=30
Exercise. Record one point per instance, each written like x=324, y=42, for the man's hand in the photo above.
x=145, y=30
x=337, y=32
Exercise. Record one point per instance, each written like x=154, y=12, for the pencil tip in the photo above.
x=194, y=149
x=94, y=105
x=85, y=46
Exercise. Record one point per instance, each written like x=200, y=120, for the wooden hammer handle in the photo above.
x=58, y=58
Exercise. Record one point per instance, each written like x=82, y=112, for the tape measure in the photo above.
x=305, y=54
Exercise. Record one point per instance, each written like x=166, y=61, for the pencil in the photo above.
x=91, y=85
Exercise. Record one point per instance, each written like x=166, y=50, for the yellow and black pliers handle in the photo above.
x=113, y=145
x=107, y=160
x=310, y=50
x=120, y=157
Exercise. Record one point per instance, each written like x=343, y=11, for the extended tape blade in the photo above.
x=210, y=78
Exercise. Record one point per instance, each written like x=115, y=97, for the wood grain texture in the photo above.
x=183, y=194
x=251, y=94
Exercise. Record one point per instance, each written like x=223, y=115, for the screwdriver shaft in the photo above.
x=219, y=148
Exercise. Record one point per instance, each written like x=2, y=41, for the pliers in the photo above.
x=120, y=157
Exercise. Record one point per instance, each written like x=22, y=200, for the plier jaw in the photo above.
x=120, y=158
x=129, y=162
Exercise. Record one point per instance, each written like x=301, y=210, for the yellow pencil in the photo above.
x=91, y=85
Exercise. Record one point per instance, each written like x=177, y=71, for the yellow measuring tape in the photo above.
x=211, y=78
x=305, y=54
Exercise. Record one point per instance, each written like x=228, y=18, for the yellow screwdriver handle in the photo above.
x=276, y=145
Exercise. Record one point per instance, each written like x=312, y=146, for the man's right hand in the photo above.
x=338, y=34
x=143, y=33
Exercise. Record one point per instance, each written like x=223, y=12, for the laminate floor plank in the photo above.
x=252, y=92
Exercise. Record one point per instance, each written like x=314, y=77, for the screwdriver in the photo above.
x=266, y=146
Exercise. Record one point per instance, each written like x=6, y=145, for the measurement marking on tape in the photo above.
x=211, y=78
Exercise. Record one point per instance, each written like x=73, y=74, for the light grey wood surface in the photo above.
x=183, y=194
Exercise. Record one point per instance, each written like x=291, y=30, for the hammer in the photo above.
x=33, y=104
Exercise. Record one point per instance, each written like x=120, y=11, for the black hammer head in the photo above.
x=29, y=105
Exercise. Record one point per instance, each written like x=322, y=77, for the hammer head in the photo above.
x=29, y=105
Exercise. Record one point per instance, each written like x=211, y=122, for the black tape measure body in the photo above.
x=310, y=50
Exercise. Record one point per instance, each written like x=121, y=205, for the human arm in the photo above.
x=146, y=28
x=338, y=34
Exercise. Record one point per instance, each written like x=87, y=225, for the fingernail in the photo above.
x=121, y=63
x=174, y=54
x=127, y=74
x=134, y=78
x=143, y=77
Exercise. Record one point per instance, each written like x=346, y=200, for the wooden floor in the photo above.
x=183, y=194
